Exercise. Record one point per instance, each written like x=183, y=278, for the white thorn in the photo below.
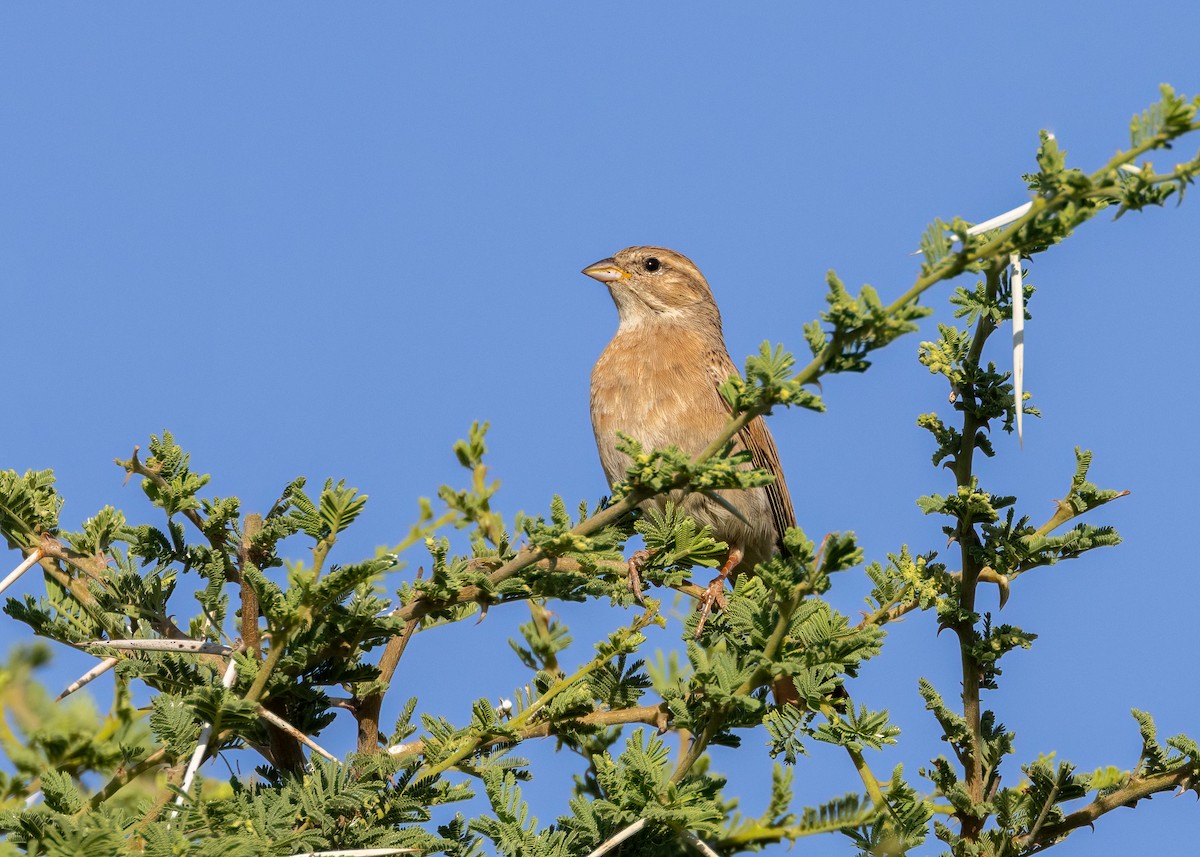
x=202, y=745
x=275, y=719
x=94, y=673
x=992, y=222
x=25, y=565
x=618, y=837
x=699, y=844
x=358, y=852
x=1000, y=219
x=1018, y=322
x=200, y=647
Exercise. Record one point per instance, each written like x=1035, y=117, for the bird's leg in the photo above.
x=636, y=561
x=714, y=593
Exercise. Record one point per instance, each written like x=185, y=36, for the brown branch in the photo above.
x=574, y=566
x=657, y=716
x=55, y=552
x=697, y=747
x=251, y=636
x=174, y=776
x=366, y=711
x=652, y=715
x=1138, y=788
x=93, y=565
x=968, y=539
x=422, y=606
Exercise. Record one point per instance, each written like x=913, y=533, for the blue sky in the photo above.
x=322, y=240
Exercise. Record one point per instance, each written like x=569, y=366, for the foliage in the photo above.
x=254, y=668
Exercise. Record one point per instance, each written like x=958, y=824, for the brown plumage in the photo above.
x=658, y=382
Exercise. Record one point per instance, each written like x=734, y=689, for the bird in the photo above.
x=658, y=382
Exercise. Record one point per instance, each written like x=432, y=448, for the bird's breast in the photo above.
x=660, y=389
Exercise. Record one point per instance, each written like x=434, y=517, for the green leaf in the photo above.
x=29, y=507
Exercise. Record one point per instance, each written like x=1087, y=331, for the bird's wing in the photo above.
x=756, y=437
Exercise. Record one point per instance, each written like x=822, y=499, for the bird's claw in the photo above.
x=714, y=596
x=636, y=561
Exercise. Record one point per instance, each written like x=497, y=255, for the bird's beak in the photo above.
x=606, y=271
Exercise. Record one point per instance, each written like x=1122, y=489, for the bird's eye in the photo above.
x=652, y=264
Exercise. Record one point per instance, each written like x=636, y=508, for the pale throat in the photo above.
x=636, y=312
x=642, y=316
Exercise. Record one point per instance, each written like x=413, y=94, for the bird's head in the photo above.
x=653, y=285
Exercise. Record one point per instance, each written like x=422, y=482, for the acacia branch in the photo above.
x=967, y=539
x=95, y=567
x=135, y=466
x=123, y=777
x=950, y=266
x=869, y=780
x=422, y=605
x=947, y=268
x=697, y=747
x=1138, y=788
x=251, y=636
x=471, y=743
x=652, y=715
x=367, y=710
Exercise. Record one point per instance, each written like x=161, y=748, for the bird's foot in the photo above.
x=714, y=596
x=714, y=593
x=636, y=561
